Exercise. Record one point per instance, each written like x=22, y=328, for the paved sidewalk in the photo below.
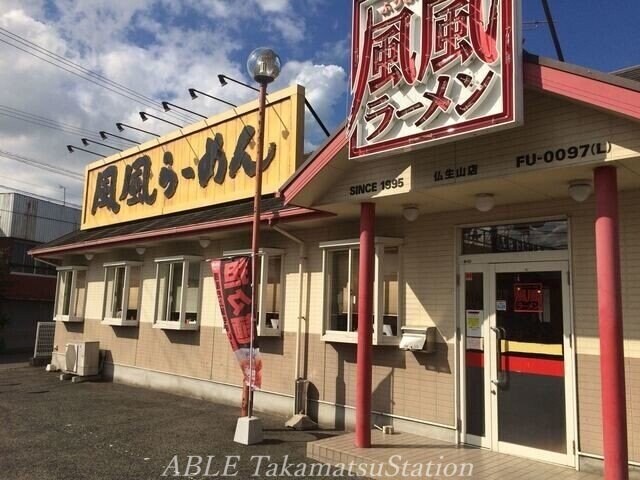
x=445, y=459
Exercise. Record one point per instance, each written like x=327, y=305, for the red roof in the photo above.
x=612, y=93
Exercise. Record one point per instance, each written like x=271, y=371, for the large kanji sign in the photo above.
x=210, y=162
x=427, y=71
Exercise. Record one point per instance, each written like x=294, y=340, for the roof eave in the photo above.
x=288, y=215
x=601, y=90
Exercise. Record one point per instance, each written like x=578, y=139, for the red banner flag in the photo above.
x=233, y=285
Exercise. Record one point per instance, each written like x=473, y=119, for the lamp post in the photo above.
x=264, y=67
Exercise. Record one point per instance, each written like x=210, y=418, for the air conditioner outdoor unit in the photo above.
x=82, y=358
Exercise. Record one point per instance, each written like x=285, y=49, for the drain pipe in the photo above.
x=299, y=420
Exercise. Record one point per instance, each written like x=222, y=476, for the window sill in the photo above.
x=68, y=319
x=118, y=322
x=334, y=336
x=176, y=326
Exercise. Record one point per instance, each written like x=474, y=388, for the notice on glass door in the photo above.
x=528, y=298
x=474, y=322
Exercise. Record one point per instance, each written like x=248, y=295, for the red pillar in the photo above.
x=365, y=325
x=614, y=412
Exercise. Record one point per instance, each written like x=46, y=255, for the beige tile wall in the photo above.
x=411, y=385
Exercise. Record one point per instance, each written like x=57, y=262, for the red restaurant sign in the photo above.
x=432, y=70
x=232, y=277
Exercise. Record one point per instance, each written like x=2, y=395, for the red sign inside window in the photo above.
x=528, y=298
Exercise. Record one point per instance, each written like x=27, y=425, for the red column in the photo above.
x=614, y=412
x=366, y=278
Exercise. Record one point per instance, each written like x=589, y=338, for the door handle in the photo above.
x=501, y=334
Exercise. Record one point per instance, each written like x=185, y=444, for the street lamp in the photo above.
x=223, y=82
x=264, y=67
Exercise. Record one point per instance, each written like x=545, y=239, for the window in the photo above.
x=520, y=237
x=270, y=289
x=122, y=282
x=70, y=294
x=178, y=287
x=340, y=267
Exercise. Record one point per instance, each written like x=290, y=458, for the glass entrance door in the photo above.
x=517, y=369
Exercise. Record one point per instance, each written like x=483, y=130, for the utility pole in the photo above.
x=552, y=29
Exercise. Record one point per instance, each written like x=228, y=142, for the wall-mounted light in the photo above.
x=204, y=242
x=121, y=126
x=89, y=256
x=167, y=108
x=410, y=212
x=223, y=82
x=580, y=190
x=105, y=136
x=140, y=250
x=194, y=94
x=485, y=202
x=86, y=142
x=73, y=148
x=146, y=116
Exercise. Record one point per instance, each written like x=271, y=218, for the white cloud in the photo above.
x=99, y=38
x=323, y=87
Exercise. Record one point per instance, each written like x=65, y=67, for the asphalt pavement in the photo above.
x=52, y=429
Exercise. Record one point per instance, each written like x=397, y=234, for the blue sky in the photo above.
x=162, y=47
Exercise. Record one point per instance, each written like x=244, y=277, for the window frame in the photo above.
x=72, y=316
x=265, y=254
x=181, y=324
x=380, y=243
x=122, y=320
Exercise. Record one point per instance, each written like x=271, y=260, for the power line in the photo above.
x=45, y=119
x=40, y=197
x=31, y=117
x=24, y=182
x=45, y=166
x=117, y=90
x=76, y=66
x=53, y=127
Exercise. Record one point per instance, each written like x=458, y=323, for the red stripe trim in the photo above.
x=291, y=214
x=321, y=160
x=475, y=359
x=517, y=364
x=533, y=366
x=613, y=98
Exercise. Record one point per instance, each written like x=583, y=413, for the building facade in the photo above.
x=484, y=250
x=27, y=286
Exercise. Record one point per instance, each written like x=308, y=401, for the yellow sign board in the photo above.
x=207, y=163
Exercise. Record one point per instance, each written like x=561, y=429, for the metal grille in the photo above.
x=44, y=340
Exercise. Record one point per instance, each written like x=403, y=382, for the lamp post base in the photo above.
x=300, y=421
x=248, y=431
